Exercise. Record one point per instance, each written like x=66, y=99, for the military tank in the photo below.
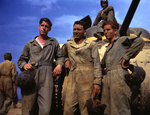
x=141, y=94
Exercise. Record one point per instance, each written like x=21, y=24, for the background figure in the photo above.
x=116, y=93
x=15, y=97
x=41, y=52
x=82, y=59
x=8, y=74
x=106, y=14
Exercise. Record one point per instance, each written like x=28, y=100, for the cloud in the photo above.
x=66, y=20
x=20, y=22
x=28, y=20
x=118, y=18
x=45, y=4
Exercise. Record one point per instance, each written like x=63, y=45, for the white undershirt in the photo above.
x=39, y=42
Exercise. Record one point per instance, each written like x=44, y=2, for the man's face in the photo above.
x=104, y=5
x=109, y=32
x=44, y=28
x=78, y=31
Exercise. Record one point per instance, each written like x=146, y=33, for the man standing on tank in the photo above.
x=116, y=94
x=41, y=51
x=8, y=74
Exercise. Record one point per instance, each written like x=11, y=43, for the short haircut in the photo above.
x=45, y=20
x=7, y=56
x=81, y=23
x=113, y=24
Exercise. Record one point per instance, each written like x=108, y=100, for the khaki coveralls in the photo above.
x=85, y=71
x=43, y=58
x=8, y=74
x=116, y=94
x=109, y=15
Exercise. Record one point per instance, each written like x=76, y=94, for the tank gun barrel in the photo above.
x=128, y=17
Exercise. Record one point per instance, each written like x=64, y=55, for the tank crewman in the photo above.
x=82, y=58
x=106, y=14
x=116, y=94
x=8, y=74
x=41, y=52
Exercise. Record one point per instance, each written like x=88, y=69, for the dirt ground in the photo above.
x=15, y=111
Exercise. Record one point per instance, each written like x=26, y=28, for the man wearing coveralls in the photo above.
x=106, y=14
x=8, y=74
x=41, y=51
x=116, y=94
x=82, y=58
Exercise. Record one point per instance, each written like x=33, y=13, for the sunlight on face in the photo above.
x=78, y=31
x=44, y=28
x=109, y=32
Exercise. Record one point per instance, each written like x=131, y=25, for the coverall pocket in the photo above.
x=35, y=49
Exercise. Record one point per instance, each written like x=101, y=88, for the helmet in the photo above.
x=26, y=82
x=136, y=77
x=95, y=107
x=104, y=1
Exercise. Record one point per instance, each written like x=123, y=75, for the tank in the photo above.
x=140, y=94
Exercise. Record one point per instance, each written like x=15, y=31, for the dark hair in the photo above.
x=7, y=56
x=113, y=24
x=81, y=23
x=46, y=20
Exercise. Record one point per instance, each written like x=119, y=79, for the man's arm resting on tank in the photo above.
x=136, y=45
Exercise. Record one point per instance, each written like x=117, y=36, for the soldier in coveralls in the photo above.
x=116, y=94
x=82, y=58
x=41, y=51
x=8, y=74
x=106, y=14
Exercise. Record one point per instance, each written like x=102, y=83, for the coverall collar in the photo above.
x=49, y=41
x=112, y=44
x=73, y=44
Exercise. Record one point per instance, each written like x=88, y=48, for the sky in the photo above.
x=20, y=19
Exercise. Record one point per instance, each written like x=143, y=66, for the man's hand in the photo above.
x=96, y=90
x=68, y=64
x=57, y=70
x=102, y=14
x=125, y=64
x=28, y=66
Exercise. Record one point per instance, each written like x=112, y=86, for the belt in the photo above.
x=40, y=63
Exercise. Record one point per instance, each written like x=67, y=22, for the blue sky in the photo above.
x=20, y=18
